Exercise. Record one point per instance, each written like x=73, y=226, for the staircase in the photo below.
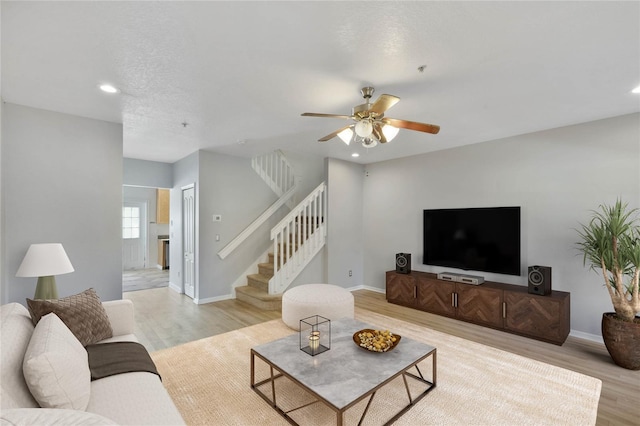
x=296, y=240
x=256, y=292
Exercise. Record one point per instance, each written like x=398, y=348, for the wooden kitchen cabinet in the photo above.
x=162, y=206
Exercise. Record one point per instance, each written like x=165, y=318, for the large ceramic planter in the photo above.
x=622, y=339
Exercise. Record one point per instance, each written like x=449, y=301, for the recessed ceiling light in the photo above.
x=355, y=154
x=108, y=88
x=636, y=90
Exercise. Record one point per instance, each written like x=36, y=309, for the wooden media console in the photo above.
x=501, y=306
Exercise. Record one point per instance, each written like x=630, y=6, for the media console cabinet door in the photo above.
x=543, y=317
x=401, y=289
x=480, y=305
x=436, y=296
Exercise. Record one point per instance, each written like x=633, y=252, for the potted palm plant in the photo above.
x=610, y=242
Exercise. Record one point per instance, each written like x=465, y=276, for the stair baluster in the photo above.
x=298, y=238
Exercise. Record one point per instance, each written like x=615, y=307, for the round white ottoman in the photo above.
x=326, y=300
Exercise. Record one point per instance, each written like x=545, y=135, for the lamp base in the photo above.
x=46, y=288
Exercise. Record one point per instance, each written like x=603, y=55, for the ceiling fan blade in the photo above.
x=314, y=114
x=377, y=132
x=383, y=103
x=333, y=135
x=412, y=125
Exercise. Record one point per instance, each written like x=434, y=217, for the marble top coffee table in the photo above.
x=345, y=374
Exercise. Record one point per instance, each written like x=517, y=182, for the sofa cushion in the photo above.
x=51, y=417
x=82, y=313
x=56, y=366
x=134, y=399
x=15, y=332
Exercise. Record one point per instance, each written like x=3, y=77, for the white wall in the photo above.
x=151, y=174
x=309, y=170
x=556, y=176
x=345, y=237
x=62, y=182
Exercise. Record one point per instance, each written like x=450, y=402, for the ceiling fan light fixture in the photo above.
x=346, y=135
x=369, y=142
x=389, y=132
x=364, y=128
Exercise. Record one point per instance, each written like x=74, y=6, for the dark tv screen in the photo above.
x=479, y=239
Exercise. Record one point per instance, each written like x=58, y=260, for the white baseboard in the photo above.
x=213, y=299
x=176, y=288
x=366, y=287
x=586, y=336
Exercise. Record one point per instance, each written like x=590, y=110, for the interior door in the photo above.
x=134, y=235
x=188, y=237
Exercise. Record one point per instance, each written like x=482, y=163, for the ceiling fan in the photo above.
x=370, y=125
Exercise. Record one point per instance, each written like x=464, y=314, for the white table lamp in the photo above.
x=45, y=261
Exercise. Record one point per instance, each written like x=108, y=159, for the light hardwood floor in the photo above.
x=165, y=318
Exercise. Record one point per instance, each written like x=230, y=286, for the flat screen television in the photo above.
x=479, y=239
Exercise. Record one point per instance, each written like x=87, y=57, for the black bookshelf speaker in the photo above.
x=540, y=280
x=403, y=263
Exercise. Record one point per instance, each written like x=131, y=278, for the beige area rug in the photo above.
x=209, y=380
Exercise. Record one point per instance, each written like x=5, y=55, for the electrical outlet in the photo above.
x=350, y=273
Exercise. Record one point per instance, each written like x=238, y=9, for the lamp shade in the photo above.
x=44, y=260
x=389, y=132
x=364, y=128
x=346, y=135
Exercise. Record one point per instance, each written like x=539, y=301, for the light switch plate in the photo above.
x=217, y=218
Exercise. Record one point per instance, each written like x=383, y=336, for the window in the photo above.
x=130, y=222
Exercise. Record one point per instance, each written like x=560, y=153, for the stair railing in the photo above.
x=275, y=170
x=298, y=238
x=233, y=244
x=277, y=173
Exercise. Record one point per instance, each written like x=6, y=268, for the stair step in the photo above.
x=265, y=269
x=259, y=281
x=258, y=298
x=271, y=260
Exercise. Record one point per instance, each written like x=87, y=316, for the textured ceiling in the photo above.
x=244, y=71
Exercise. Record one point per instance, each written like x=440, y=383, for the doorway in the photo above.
x=188, y=240
x=134, y=235
x=141, y=266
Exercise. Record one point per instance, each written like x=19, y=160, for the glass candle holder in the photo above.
x=315, y=335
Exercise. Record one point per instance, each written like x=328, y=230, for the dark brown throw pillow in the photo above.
x=82, y=313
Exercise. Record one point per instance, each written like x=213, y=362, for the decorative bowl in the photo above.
x=357, y=341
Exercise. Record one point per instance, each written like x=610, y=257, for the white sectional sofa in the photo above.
x=137, y=398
